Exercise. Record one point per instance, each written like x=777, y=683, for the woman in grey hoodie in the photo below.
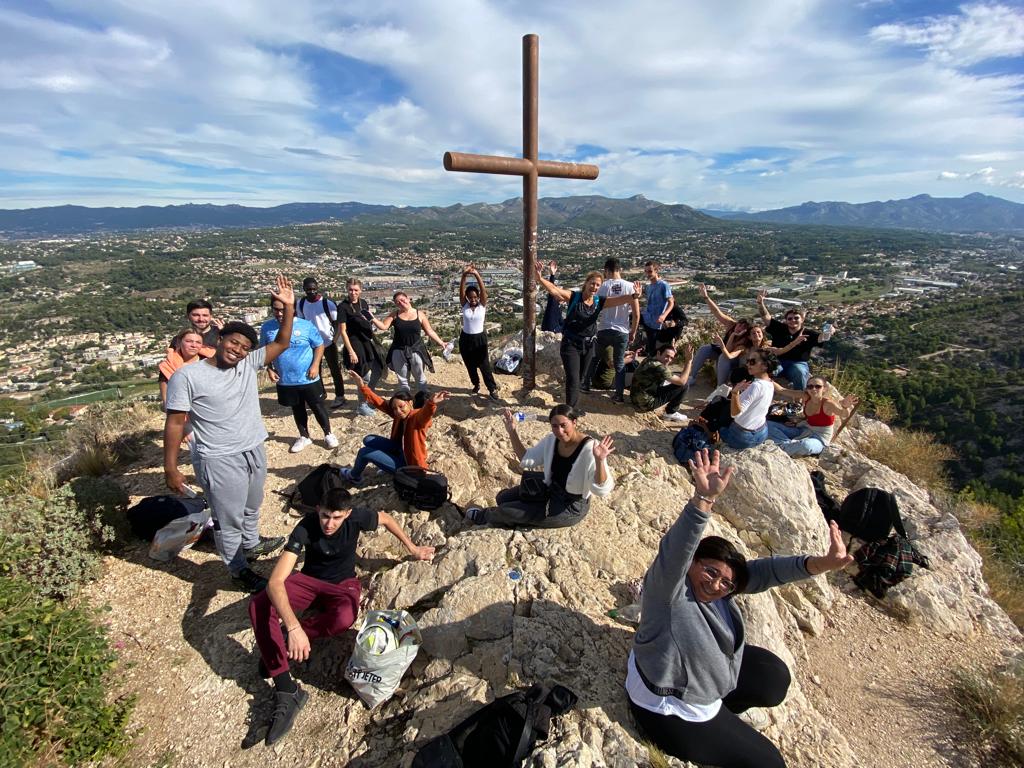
x=689, y=655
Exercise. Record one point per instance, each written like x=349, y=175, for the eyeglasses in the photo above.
x=813, y=386
x=715, y=575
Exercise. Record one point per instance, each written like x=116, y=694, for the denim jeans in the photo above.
x=789, y=439
x=382, y=452
x=797, y=371
x=617, y=340
x=705, y=353
x=739, y=439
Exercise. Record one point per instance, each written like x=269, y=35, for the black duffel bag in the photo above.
x=422, y=488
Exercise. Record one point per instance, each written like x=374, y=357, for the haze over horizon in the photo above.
x=759, y=106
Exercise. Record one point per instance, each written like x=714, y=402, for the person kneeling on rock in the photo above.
x=575, y=466
x=690, y=673
x=327, y=582
x=407, y=445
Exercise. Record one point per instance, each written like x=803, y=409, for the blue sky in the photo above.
x=738, y=104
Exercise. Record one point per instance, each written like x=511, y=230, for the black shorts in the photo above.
x=303, y=394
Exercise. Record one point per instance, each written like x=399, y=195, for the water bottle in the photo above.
x=520, y=416
x=630, y=614
x=447, y=353
x=826, y=332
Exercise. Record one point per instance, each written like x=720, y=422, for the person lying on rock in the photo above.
x=654, y=385
x=407, y=445
x=690, y=673
x=575, y=466
x=821, y=409
x=326, y=582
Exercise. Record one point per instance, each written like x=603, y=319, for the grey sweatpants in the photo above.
x=233, y=486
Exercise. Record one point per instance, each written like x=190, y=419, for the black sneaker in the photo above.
x=476, y=390
x=493, y=397
x=266, y=545
x=248, y=580
x=286, y=707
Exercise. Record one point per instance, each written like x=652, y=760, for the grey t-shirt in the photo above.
x=223, y=405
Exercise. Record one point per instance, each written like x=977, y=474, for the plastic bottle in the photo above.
x=826, y=332
x=630, y=614
x=447, y=352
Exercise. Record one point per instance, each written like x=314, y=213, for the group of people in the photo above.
x=689, y=656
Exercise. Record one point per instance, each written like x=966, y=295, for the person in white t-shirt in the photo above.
x=323, y=313
x=750, y=402
x=473, y=338
x=616, y=327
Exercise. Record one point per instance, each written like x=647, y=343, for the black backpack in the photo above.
x=154, y=512
x=869, y=514
x=422, y=488
x=717, y=414
x=311, y=489
x=501, y=734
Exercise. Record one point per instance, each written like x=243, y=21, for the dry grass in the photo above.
x=992, y=702
x=981, y=522
x=918, y=455
x=657, y=758
x=849, y=383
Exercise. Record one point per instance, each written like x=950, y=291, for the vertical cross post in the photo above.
x=530, y=167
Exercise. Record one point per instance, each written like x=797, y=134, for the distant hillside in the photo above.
x=972, y=213
x=586, y=212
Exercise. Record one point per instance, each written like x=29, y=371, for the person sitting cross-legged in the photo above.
x=575, y=467
x=654, y=386
x=821, y=408
x=327, y=582
x=407, y=445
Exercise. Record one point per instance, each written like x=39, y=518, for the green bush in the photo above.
x=104, y=501
x=50, y=542
x=55, y=664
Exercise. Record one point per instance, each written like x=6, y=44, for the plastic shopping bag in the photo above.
x=386, y=644
x=179, y=535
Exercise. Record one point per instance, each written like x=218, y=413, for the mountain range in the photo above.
x=973, y=213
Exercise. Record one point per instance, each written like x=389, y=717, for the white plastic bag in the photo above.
x=386, y=644
x=179, y=535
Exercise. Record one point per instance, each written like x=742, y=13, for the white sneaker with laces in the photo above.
x=301, y=444
x=756, y=718
x=331, y=440
x=676, y=416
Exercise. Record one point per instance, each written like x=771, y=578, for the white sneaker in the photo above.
x=676, y=416
x=331, y=440
x=756, y=718
x=300, y=444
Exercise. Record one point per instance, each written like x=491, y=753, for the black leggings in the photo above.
x=331, y=356
x=576, y=355
x=725, y=740
x=473, y=348
x=319, y=408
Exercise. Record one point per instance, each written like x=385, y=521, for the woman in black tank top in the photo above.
x=408, y=356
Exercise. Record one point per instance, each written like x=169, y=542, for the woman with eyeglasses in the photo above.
x=821, y=409
x=691, y=674
x=750, y=401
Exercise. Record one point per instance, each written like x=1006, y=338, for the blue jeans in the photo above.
x=789, y=440
x=796, y=371
x=739, y=439
x=382, y=452
x=705, y=353
x=617, y=340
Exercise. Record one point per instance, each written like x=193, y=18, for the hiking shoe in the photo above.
x=248, y=580
x=348, y=477
x=365, y=409
x=286, y=707
x=476, y=390
x=265, y=546
x=331, y=440
x=756, y=718
x=475, y=515
x=300, y=445
x=493, y=397
x=337, y=402
x=618, y=399
x=676, y=416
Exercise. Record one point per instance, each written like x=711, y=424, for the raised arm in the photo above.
x=841, y=410
x=761, y=308
x=733, y=354
x=480, y=285
x=602, y=484
x=559, y=293
x=286, y=296
x=679, y=379
x=720, y=316
x=425, y=324
x=462, y=285
x=513, y=435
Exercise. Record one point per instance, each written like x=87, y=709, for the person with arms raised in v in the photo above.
x=794, y=363
x=220, y=399
x=473, y=338
x=327, y=583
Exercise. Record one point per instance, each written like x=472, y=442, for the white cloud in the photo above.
x=979, y=32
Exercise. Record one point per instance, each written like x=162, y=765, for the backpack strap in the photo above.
x=327, y=311
x=573, y=301
x=530, y=717
x=897, y=519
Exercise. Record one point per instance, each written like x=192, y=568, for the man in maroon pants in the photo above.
x=327, y=582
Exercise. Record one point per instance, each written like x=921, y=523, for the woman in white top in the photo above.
x=473, y=339
x=575, y=466
x=750, y=402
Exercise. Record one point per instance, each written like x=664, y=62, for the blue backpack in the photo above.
x=688, y=441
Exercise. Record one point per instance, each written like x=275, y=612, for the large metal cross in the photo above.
x=529, y=167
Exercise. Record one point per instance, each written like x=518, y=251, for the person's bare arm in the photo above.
x=735, y=408
x=720, y=316
x=559, y=293
x=281, y=342
x=679, y=379
x=174, y=431
x=513, y=434
x=462, y=286
x=392, y=527
x=383, y=325
x=163, y=393
x=841, y=410
x=634, y=317
x=425, y=324
x=783, y=350
x=668, y=308
x=731, y=354
x=616, y=301
x=353, y=358
x=314, y=368
x=761, y=308
x=298, y=642
x=480, y=285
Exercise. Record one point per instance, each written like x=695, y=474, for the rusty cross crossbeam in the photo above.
x=530, y=167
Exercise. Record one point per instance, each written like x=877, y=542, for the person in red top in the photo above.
x=407, y=445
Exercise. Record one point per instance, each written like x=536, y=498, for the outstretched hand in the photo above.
x=604, y=448
x=509, y=418
x=708, y=479
x=836, y=558
x=439, y=397
x=703, y=290
x=355, y=377
x=284, y=292
x=761, y=296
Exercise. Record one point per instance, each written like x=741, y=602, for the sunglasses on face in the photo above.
x=715, y=575
x=753, y=360
x=813, y=386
